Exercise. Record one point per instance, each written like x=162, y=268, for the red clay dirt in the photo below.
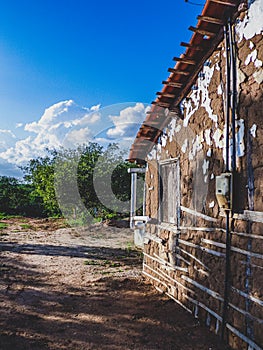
x=63, y=288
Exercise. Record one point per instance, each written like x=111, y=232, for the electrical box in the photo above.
x=224, y=191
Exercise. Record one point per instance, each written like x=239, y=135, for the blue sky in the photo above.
x=92, y=53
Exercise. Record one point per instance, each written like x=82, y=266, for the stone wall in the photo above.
x=187, y=260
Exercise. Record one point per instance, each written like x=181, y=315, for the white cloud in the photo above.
x=19, y=125
x=96, y=107
x=78, y=137
x=90, y=118
x=7, y=133
x=128, y=121
x=7, y=139
x=68, y=125
x=66, y=113
x=63, y=120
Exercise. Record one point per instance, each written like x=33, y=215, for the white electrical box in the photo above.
x=224, y=191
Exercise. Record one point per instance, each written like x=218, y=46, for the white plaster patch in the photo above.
x=163, y=140
x=178, y=128
x=212, y=176
x=218, y=138
x=251, y=57
x=253, y=130
x=200, y=97
x=258, y=76
x=208, y=137
x=240, y=145
x=205, y=166
x=258, y=63
x=251, y=45
x=152, y=155
x=191, y=106
x=240, y=77
x=197, y=146
x=209, y=152
x=211, y=204
x=206, y=102
x=171, y=129
x=252, y=24
x=219, y=90
x=184, y=146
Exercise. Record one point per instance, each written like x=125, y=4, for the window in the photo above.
x=169, y=190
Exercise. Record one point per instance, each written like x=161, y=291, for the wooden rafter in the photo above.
x=161, y=104
x=202, y=31
x=165, y=94
x=210, y=20
x=226, y=3
x=191, y=46
x=184, y=60
x=177, y=71
x=172, y=84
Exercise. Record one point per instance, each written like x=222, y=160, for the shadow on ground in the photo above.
x=113, y=312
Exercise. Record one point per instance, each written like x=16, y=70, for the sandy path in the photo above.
x=65, y=289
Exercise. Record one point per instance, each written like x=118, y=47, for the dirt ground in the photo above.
x=63, y=288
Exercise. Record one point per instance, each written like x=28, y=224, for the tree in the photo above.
x=16, y=198
x=85, y=181
x=40, y=175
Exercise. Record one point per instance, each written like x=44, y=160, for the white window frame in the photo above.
x=174, y=221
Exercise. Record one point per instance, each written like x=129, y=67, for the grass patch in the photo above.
x=4, y=216
x=106, y=263
x=26, y=226
x=3, y=225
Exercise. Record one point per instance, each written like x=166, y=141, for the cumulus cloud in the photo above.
x=7, y=139
x=62, y=121
x=78, y=137
x=65, y=124
x=7, y=133
x=127, y=122
x=19, y=125
x=66, y=113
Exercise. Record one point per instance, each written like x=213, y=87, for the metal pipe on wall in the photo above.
x=133, y=198
x=233, y=91
x=231, y=95
x=227, y=106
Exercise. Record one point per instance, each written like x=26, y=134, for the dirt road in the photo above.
x=68, y=289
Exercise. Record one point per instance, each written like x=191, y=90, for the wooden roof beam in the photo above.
x=161, y=104
x=184, y=60
x=192, y=46
x=177, y=71
x=152, y=123
x=226, y=3
x=210, y=20
x=163, y=94
x=140, y=141
x=202, y=31
x=172, y=84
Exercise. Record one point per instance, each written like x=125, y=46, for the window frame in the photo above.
x=176, y=219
